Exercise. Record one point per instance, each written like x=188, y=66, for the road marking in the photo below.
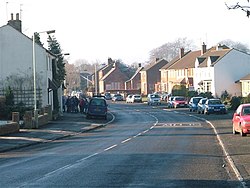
x=109, y=148
x=124, y=141
x=228, y=157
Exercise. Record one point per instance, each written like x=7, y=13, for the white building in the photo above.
x=16, y=62
x=219, y=69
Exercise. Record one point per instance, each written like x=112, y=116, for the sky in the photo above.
x=95, y=30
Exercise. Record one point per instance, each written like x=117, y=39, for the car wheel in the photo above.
x=234, y=132
x=241, y=132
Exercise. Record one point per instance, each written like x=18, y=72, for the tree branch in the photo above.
x=238, y=6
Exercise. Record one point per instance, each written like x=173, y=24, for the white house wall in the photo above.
x=231, y=68
x=203, y=74
x=16, y=59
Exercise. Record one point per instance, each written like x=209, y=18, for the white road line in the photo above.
x=85, y=158
x=124, y=141
x=228, y=157
x=109, y=148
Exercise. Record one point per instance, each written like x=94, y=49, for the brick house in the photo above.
x=165, y=85
x=151, y=77
x=133, y=85
x=112, y=81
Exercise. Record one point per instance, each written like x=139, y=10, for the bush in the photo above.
x=235, y=102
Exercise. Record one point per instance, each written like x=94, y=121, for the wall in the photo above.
x=231, y=68
x=16, y=59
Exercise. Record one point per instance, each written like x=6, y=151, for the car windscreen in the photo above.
x=155, y=96
x=246, y=111
x=180, y=99
x=97, y=102
x=214, y=102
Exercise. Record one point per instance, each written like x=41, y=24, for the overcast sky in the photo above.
x=128, y=29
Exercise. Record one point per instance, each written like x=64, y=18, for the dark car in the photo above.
x=193, y=103
x=97, y=107
x=107, y=96
x=214, y=106
x=201, y=106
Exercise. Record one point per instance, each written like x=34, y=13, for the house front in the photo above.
x=245, y=85
x=16, y=65
x=151, y=77
x=219, y=69
x=113, y=81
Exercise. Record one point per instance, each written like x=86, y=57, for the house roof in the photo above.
x=137, y=72
x=54, y=55
x=154, y=63
x=247, y=77
x=213, y=55
x=106, y=75
x=188, y=61
x=174, y=60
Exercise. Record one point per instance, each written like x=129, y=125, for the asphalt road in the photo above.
x=144, y=147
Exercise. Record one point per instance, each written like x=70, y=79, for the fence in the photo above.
x=24, y=96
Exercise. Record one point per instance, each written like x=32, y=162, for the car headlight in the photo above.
x=222, y=107
x=210, y=108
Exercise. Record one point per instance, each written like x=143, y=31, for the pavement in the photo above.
x=67, y=125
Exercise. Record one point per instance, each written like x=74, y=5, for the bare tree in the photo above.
x=171, y=49
x=237, y=45
x=244, y=8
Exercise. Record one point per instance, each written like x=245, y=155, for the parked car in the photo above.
x=97, y=107
x=241, y=120
x=107, y=96
x=129, y=99
x=201, y=106
x=154, y=99
x=179, y=101
x=193, y=103
x=117, y=97
x=214, y=106
x=170, y=102
x=136, y=98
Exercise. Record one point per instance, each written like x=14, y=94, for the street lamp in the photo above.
x=34, y=75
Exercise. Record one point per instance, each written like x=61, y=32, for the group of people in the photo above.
x=72, y=104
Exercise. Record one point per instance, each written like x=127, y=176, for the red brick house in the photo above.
x=151, y=77
x=133, y=85
x=113, y=81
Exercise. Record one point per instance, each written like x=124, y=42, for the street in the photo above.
x=145, y=146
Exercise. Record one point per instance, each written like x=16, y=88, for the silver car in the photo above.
x=154, y=99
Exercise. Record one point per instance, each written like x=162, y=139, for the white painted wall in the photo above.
x=16, y=59
x=231, y=68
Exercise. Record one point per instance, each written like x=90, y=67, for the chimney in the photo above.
x=139, y=65
x=110, y=61
x=203, y=48
x=17, y=24
x=157, y=59
x=181, y=53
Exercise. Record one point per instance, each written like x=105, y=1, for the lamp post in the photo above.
x=95, y=81
x=34, y=75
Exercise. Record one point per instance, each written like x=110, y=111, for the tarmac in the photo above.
x=235, y=148
x=67, y=125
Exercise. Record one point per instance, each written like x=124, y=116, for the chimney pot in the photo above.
x=11, y=16
x=17, y=16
